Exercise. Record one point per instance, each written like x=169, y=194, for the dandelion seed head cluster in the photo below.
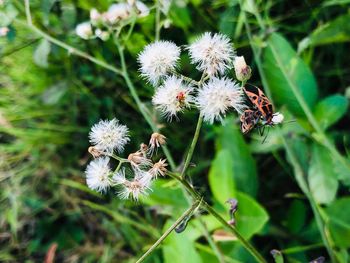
x=212, y=53
x=98, y=175
x=109, y=135
x=173, y=97
x=158, y=59
x=217, y=96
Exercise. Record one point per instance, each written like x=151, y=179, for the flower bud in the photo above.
x=277, y=118
x=3, y=31
x=84, y=30
x=95, y=17
x=103, y=35
x=95, y=152
x=242, y=70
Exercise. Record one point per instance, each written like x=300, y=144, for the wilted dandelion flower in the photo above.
x=213, y=54
x=98, y=174
x=217, y=96
x=140, y=185
x=109, y=135
x=84, y=30
x=172, y=97
x=159, y=168
x=158, y=59
x=138, y=160
x=156, y=141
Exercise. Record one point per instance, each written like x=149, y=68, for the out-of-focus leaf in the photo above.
x=339, y=222
x=7, y=15
x=227, y=23
x=180, y=17
x=136, y=43
x=285, y=71
x=243, y=164
x=277, y=256
x=334, y=31
x=322, y=178
x=171, y=197
x=41, y=53
x=330, y=110
x=54, y=93
x=335, y=2
x=179, y=248
x=296, y=216
x=221, y=178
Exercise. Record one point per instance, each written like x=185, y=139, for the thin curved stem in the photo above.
x=193, y=146
x=211, y=210
x=169, y=230
x=157, y=22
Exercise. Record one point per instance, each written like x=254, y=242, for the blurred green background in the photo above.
x=50, y=98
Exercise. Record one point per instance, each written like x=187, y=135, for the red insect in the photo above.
x=181, y=97
x=262, y=109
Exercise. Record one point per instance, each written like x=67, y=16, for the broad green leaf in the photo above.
x=339, y=222
x=334, y=31
x=243, y=164
x=180, y=17
x=221, y=178
x=335, y=2
x=179, y=248
x=167, y=195
x=251, y=217
x=322, y=177
x=286, y=72
x=54, y=93
x=330, y=110
x=41, y=53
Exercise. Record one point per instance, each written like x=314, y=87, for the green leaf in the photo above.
x=179, y=248
x=41, y=53
x=221, y=178
x=296, y=216
x=251, y=217
x=339, y=222
x=286, y=72
x=322, y=177
x=334, y=31
x=330, y=110
x=180, y=17
x=243, y=164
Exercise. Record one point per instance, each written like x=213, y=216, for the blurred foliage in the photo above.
x=49, y=99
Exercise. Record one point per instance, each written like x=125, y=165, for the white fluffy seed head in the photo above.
x=109, y=136
x=84, y=30
x=98, y=175
x=212, y=54
x=158, y=59
x=172, y=97
x=217, y=96
x=133, y=189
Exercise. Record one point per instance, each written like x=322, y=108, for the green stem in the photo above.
x=193, y=145
x=210, y=210
x=169, y=230
x=157, y=22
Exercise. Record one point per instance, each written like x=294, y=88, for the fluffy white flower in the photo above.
x=117, y=12
x=158, y=59
x=97, y=174
x=172, y=97
x=140, y=185
x=277, y=118
x=217, y=96
x=212, y=54
x=84, y=30
x=109, y=135
x=142, y=9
